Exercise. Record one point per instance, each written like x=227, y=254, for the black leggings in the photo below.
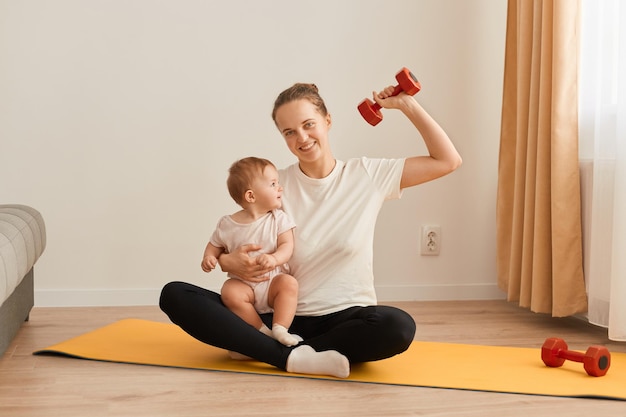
x=362, y=334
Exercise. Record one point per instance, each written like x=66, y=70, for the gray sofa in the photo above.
x=22, y=241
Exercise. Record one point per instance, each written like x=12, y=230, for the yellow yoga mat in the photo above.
x=424, y=364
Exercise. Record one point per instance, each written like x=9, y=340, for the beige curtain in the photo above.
x=539, y=245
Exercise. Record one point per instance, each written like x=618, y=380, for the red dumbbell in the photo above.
x=406, y=82
x=596, y=360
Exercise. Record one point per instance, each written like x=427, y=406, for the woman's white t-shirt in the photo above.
x=336, y=218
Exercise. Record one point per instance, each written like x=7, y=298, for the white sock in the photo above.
x=281, y=334
x=305, y=360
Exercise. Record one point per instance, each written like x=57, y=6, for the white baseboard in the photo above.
x=97, y=297
x=150, y=296
x=451, y=292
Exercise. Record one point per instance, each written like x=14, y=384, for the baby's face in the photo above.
x=267, y=189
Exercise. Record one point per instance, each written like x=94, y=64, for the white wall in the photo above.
x=119, y=118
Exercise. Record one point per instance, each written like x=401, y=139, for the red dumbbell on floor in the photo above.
x=406, y=82
x=596, y=360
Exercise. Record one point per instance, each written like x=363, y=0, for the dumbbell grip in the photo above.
x=397, y=90
x=571, y=355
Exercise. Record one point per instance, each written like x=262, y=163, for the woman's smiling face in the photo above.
x=304, y=129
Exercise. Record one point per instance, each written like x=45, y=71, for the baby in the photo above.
x=253, y=184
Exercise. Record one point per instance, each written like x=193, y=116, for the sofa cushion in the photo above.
x=22, y=241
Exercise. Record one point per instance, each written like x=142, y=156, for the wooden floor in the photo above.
x=54, y=386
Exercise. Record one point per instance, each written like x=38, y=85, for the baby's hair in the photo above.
x=241, y=175
x=300, y=91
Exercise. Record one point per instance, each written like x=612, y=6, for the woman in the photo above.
x=335, y=205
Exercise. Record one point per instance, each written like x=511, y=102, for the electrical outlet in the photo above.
x=430, y=242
